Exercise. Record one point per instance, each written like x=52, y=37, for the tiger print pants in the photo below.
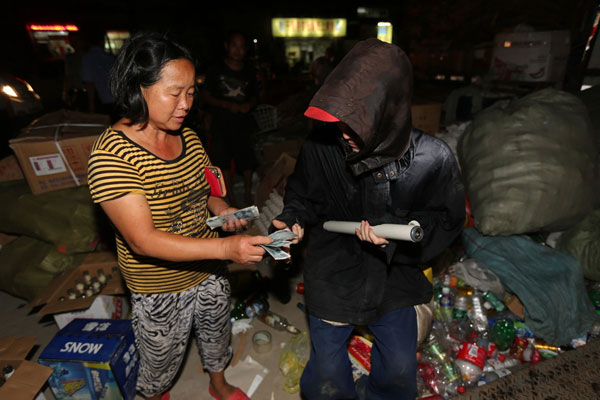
x=162, y=323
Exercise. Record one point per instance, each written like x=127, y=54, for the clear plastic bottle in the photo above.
x=478, y=317
x=446, y=305
x=445, y=370
x=276, y=321
x=461, y=307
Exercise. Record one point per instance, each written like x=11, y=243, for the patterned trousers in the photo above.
x=162, y=323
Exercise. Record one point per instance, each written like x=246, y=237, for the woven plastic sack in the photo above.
x=531, y=164
x=28, y=265
x=66, y=218
x=583, y=242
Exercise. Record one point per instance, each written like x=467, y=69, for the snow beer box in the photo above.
x=93, y=359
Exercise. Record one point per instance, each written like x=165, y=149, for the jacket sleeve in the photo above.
x=441, y=213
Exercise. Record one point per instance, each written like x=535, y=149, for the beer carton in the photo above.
x=93, y=359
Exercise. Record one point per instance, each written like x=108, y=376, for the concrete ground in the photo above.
x=192, y=383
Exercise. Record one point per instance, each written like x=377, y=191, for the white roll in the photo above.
x=411, y=232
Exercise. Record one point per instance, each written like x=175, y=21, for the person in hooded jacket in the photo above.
x=377, y=169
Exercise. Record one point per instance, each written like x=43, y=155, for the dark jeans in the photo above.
x=328, y=373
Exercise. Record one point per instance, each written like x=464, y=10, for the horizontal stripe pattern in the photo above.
x=177, y=194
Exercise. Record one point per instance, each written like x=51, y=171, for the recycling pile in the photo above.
x=475, y=338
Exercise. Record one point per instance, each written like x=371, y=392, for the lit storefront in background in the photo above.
x=114, y=40
x=307, y=38
x=384, y=31
x=309, y=27
x=54, y=37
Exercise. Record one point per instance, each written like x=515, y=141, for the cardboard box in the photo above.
x=271, y=152
x=274, y=178
x=514, y=304
x=53, y=150
x=107, y=304
x=426, y=117
x=29, y=377
x=10, y=169
x=530, y=56
x=93, y=359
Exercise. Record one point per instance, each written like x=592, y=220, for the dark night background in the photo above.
x=447, y=32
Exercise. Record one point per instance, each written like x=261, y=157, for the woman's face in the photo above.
x=170, y=99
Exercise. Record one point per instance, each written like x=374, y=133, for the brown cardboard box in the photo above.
x=272, y=152
x=106, y=304
x=29, y=377
x=514, y=304
x=426, y=117
x=53, y=150
x=274, y=178
x=10, y=169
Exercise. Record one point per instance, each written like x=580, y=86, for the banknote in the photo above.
x=279, y=243
x=248, y=213
x=280, y=239
x=276, y=252
x=282, y=234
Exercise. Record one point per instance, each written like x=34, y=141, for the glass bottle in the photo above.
x=277, y=321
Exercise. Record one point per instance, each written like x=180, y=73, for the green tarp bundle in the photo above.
x=531, y=164
x=548, y=282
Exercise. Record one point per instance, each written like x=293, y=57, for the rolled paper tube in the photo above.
x=411, y=232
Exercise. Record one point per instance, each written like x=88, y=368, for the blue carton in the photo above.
x=93, y=359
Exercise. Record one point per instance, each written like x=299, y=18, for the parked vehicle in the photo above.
x=19, y=105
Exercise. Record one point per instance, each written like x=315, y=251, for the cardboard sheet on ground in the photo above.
x=247, y=375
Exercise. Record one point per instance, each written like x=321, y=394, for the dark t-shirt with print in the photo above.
x=226, y=84
x=231, y=133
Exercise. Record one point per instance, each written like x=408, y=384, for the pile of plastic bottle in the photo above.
x=474, y=340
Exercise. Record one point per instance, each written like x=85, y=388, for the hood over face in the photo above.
x=370, y=90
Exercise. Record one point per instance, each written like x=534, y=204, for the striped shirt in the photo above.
x=177, y=193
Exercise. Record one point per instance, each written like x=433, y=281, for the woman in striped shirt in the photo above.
x=147, y=173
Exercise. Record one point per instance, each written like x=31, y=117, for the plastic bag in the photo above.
x=478, y=276
x=583, y=242
x=530, y=165
x=292, y=361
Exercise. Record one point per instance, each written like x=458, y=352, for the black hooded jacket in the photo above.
x=400, y=174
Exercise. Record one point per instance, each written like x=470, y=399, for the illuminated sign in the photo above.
x=69, y=27
x=384, y=32
x=309, y=27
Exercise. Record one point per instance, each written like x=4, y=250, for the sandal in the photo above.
x=237, y=394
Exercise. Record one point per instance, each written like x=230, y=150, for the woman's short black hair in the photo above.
x=139, y=64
